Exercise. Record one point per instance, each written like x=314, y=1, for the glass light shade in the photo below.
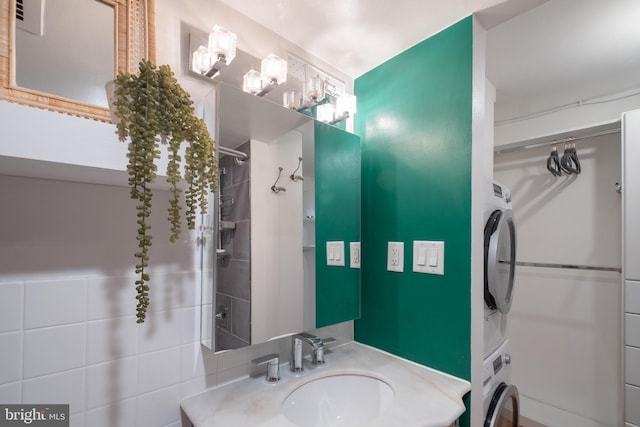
x=252, y=82
x=346, y=104
x=274, y=68
x=201, y=60
x=314, y=89
x=292, y=99
x=325, y=112
x=222, y=42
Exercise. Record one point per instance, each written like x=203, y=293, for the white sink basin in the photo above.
x=346, y=400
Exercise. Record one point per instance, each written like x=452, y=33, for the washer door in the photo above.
x=499, y=260
x=504, y=409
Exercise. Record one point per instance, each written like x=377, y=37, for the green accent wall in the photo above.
x=414, y=120
x=337, y=198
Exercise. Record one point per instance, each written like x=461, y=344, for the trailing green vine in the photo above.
x=153, y=109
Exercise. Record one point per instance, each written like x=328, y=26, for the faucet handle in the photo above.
x=317, y=357
x=273, y=366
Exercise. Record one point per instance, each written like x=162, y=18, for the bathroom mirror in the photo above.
x=264, y=257
x=58, y=55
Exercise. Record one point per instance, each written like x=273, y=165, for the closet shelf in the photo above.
x=547, y=140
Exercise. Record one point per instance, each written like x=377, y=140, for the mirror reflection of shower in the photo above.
x=232, y=299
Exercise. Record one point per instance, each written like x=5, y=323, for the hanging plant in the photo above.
x=152, y=109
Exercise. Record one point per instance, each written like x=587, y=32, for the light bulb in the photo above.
x=222, y=44
x=325, y=112
x=252, y=82
x=201, y=61
x=274, y=69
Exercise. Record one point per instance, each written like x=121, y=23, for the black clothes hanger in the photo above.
x=574, y=158
x=569, y=162
x=553, y=162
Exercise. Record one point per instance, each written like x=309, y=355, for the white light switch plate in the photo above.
x=395, y=256
x=428, y=257
x=354, y=254
x=335, y=253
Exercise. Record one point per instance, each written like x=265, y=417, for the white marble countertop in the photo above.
x=424, y=397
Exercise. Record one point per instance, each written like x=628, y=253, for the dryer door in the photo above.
x=504, y=409
x=499, y=260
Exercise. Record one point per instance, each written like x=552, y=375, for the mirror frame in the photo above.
x=134, y=40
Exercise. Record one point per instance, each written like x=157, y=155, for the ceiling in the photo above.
x=357, y=35
x=555, y=50
x=562, y=52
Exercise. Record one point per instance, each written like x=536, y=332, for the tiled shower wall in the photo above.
x=233, y=295
x=68, y=332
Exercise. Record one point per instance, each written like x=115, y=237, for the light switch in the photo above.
x=422, y=255
x=395, y=256
x=433, y=256
x=354, y=254
x=335, y=253
x=428, y=257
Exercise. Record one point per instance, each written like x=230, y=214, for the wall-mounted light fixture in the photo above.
x=344, y=107
x=220, y=51
x=273, y=72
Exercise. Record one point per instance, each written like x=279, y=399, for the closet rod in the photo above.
x=569, y=266
x=560, y=140
x=232, y=152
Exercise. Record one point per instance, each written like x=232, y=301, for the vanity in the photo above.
x=387, y=390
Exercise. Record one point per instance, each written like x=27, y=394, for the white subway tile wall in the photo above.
x=68, y=331
x=43, y=299
x=11, y=357
x=11, y=306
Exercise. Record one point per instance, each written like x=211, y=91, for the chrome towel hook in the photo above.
x=293, y=176
x=275, y=188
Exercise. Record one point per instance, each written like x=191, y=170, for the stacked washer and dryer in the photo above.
x=501, y=399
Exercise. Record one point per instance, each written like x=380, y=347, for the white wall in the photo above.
x=482, y=164
x=276, y=273
x=575, y=117
x=564, y=326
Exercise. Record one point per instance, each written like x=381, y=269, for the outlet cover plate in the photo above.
x=354, y=254
x=395, y=256
x=428, y=257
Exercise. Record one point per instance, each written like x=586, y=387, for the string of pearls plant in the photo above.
x=151, y=108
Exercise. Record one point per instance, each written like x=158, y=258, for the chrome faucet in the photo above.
x=317, y=347
x=273, y=366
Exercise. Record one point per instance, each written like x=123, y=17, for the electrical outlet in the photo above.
x=395, y=256
x=354, y=254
